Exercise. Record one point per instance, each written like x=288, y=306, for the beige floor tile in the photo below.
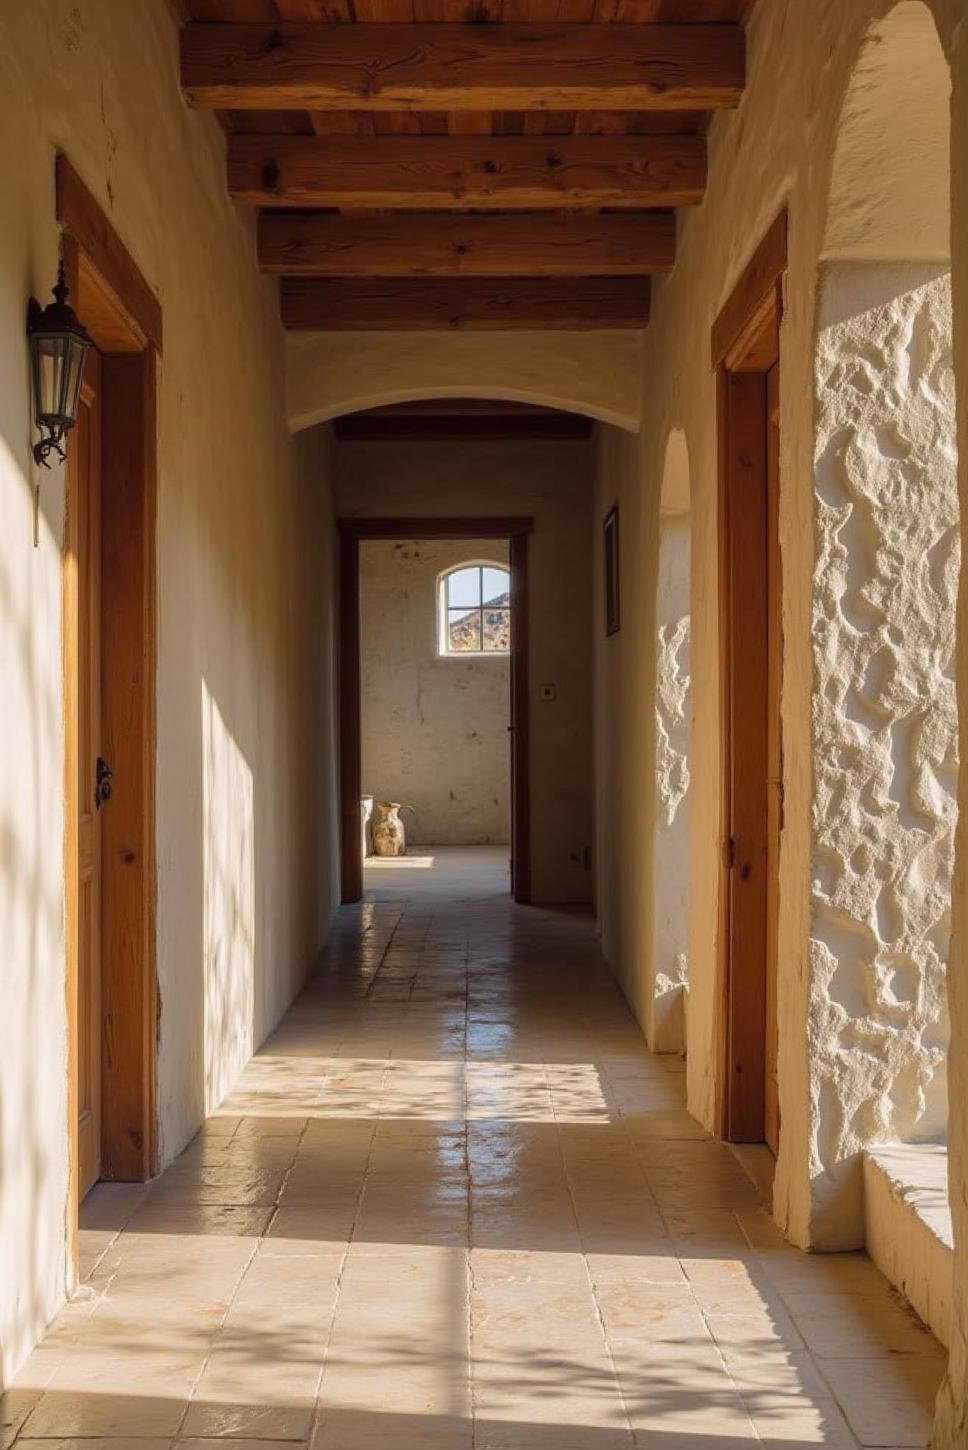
x=240, y=1443
x=111, y=1414
x=209, y=1419
x=454, y=1203
x=888, y=1400
x=96, y=1443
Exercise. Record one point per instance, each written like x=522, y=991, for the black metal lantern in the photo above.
x=58, y=347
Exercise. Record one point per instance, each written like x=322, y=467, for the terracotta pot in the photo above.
x=386, y=829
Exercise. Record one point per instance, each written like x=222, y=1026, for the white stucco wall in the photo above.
x=625, y=721
x=884, y=723
x=244, y=553
x=434, y=726
x=669, y=959
x=553, y=482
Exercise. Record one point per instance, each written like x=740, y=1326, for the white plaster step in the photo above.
x=909, y=1232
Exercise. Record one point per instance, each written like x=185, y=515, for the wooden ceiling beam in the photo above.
x=325, y=304
x=438, y=244
x=448, y=67
x=501, y=172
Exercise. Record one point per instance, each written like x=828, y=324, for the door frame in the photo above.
x=351, y=532
x=745, y=347
x=123, y=317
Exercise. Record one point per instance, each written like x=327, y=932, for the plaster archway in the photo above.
x=598, y=374
x=884, y=720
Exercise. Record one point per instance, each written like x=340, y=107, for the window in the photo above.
x=474, y=610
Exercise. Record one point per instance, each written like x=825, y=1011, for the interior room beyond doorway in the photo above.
x=435, y=672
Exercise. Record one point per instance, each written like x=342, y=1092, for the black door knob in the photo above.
x=102, y=782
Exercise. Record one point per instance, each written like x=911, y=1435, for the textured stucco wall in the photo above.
x=243, y=668
x=669, y=963
x=434, y=726
x=553, y=482
x=885, y=743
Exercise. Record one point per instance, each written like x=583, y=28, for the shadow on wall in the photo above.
x=33, y=1079
x=248, y=702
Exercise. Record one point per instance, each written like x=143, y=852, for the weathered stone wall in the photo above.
x=884, y=722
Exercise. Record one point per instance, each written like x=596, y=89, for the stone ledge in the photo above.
x=909, y=1234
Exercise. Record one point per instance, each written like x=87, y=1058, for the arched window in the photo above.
x=474, y=610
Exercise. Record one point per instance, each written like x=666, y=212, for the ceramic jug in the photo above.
x=386, y=829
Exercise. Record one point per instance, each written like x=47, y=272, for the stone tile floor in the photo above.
x=454, y=1203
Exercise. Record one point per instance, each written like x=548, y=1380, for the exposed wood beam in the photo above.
x=502, y=172
x=429, y=244
x=326, y=304
x=463, y=67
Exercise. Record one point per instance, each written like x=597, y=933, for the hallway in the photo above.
x=454, y=1203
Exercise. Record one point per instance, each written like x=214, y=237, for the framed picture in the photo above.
x=610, y=540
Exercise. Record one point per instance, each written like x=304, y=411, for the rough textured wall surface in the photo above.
x=552, y=482
x=244, y=668
x=434, y=726
x=884, y=723
x=670, y=958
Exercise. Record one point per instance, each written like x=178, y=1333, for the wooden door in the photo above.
x=774, y=766
x=747, y=655
x=753, y=763
x=746, y=353
x=85, y=541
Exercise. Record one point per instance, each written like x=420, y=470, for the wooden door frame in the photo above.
x=124, y=319
x=745, y=346
x=351, y=532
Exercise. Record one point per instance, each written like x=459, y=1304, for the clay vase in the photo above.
x=386, y=829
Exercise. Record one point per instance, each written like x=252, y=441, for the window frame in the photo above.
x=443, y=611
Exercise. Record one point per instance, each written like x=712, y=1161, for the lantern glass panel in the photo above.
x=73, y=375
x=50, y=356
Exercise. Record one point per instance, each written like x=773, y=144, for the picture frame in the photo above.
x=611, y=570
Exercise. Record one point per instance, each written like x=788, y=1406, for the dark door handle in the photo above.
x=102, y=782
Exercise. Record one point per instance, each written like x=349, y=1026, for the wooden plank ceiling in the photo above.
x=465, y=163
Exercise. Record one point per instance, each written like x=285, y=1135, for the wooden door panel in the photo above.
x=86, y=538
x=747, y=725
x=774, y=780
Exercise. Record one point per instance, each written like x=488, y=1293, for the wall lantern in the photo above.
x=58, y=347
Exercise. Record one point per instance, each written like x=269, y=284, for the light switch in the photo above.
x=548, y=692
